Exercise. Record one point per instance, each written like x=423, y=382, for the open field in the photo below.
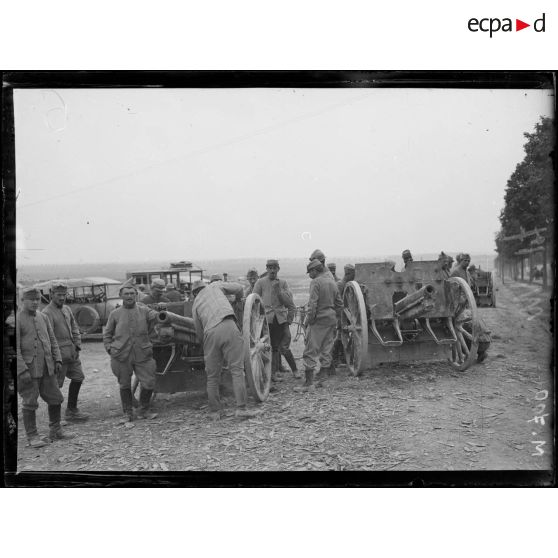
x=496, y=415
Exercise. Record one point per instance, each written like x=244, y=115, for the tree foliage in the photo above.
x=529, y=191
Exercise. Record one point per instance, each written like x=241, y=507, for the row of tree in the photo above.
x=529, y=200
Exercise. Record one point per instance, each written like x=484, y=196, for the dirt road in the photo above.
x=409, y=417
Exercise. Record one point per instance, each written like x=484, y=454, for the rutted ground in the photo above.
x=408, y=417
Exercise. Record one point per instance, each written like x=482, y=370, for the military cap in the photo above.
x=272, y=262
x=406, y=253
x=198, y=285
x=317, y=255
x=465, y=257
x=252, y=272
x=332, y=265
x=472, y=267
x=30, y=292
x=58, y=286
x=349, y=267
x=157, y=284
x=215, y=277
x=314, y=264
x=129, y=284
x=459, y=257
x=170, y=286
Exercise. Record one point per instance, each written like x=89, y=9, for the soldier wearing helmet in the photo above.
x=324, y=309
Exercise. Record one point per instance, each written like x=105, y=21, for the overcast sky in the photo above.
x=150, y=174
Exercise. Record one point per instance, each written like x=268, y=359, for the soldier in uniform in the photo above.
x=68, y=338
x=172, y=294
x=324, y=310
x=333, y=268
x=485, y=338
x=217, y=329
x=38, y=363
x=460, y=270
x=215, y=277
x=337, y=352
x=252, y=277
x=445, y=264
x=280, y=312
x=407, y=257
x=127, y=340
x=320, y=256
x=157, y=294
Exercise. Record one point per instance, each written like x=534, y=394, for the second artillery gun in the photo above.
x=179, y=355
x=413, y=315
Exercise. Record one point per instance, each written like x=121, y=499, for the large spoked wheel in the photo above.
x=257, y=347
x=354, y=328
x=466, y=325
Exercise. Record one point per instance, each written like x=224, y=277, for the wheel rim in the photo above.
x=466, y=325
x=354, y=328
x=257, y=347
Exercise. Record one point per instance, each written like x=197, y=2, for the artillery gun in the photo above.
x=179, y=355
x=413, y=315
x=483, y=288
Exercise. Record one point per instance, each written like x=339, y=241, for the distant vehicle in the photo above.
x=91, y=300
x=183, y=274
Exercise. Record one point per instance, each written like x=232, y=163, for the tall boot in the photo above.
x=308, y=383
x=73, y=414
x=127, y=407
x=289, y=357
x=321, y=376
x=55, y=430
x=145, y=399
x=275, y=376
x=30, y=425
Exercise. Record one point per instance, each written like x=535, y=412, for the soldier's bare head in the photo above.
x=128, y=295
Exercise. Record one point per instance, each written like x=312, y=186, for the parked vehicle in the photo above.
x=183, y=274
x=91, y=300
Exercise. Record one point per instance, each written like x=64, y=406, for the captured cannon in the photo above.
x=414, y=315
x=483, y=288
x=179, y=355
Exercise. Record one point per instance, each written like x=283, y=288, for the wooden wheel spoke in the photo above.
x=463, y=344
x=465, y=333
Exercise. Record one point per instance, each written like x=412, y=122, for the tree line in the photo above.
x=529, y=200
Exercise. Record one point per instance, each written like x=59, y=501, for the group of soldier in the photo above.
x=49, y=342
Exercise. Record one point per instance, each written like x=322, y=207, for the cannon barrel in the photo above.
x=416, y=304
x=179, y=323
x=169, y=334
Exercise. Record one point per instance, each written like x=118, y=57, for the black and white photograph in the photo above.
x=319, y=273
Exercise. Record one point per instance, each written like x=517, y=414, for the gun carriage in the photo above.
x=414, y=315
x=179, y=355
